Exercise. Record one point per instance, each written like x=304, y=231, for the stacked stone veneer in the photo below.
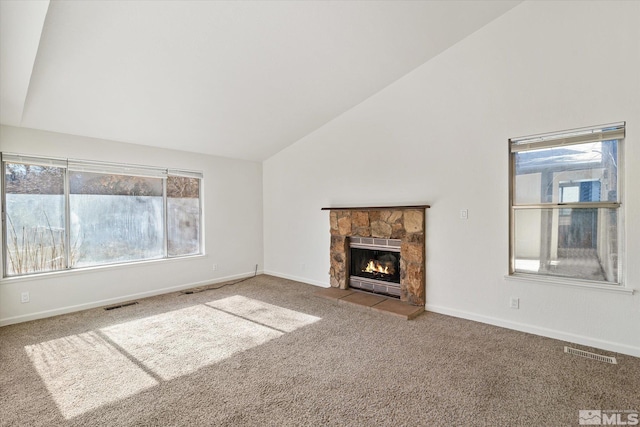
x=404, y=224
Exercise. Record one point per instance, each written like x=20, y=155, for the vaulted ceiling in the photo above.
x=241, y=79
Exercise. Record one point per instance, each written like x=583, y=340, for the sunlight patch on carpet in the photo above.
x=263, y=313
x=83, y=372
x=86, y=371
x=182, y=341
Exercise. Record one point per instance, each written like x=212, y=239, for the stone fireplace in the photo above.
x=380, y=250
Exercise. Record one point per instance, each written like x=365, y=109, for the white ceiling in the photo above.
x=240, y=79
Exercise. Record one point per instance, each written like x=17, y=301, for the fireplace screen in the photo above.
x=375, y=264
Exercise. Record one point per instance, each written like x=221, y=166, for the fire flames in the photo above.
x=375, y=267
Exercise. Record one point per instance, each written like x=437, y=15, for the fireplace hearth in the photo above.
x=380, y=250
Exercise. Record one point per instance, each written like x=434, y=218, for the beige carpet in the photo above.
x=268, y=352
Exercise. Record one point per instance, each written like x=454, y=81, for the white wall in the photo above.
x=439, y=136
x=232, y=195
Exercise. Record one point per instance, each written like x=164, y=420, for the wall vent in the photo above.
x=598, y=357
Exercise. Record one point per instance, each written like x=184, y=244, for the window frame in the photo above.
x=608, y=132
x=74, y=165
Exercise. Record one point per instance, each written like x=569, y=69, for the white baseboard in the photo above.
x=536, y=330
x=72, y=308
x=297, y=279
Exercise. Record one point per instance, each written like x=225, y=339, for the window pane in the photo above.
x=115, y=218
x=591, y=168
x=183, y=215
x=577, y=243
x=34, y=235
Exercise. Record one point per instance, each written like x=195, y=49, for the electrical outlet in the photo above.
x=464, y=214
x=215, y=267
x=514, y=302
x=24, y=297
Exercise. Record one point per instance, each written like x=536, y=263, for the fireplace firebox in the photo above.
x=375, y=265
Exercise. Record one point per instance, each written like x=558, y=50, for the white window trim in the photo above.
x=606, y=132
x=572, y=283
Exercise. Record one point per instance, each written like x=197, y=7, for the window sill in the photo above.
x=518, y=277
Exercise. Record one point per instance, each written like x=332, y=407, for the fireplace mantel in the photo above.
x=376, y=208
x=406, y=223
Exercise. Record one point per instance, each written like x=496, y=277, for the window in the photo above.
x=115, y=218
x=34, y=218
x=183, y=215
x=565, y=204
x=62, y=214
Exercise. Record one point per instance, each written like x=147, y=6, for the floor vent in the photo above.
x=598, y=357
x=127, y=304
x=194, y=290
